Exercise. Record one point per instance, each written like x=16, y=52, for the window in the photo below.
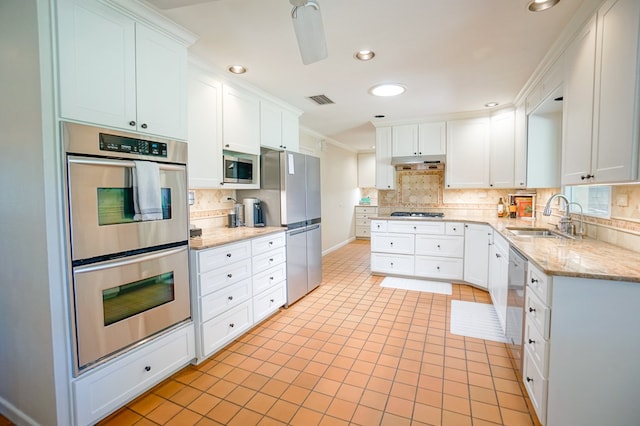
x=595, y=200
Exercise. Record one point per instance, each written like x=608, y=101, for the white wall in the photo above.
x=339, y=177
x=34, y=345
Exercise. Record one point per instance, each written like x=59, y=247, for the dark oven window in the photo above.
x=130, y=299
x=115, y=205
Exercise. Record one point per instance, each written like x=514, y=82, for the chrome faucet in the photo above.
x=580, y=231
x=565, y=220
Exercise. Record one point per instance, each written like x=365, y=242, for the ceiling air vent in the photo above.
x=321, y=100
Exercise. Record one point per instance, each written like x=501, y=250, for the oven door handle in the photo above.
x=120, y=163
x=127, y=260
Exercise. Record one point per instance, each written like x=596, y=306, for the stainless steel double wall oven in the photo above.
x=129, y=277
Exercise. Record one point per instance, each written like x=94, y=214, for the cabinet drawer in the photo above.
x=537, y=387
x=264, y=261
x=379, y=226
x=454, y=228
x=366, y=210
x=363, y=222
x=448, y=246
x=363, y=231
x=439, y=267
x=392, y=264
x=221, y=330
x=221, y=256
x=537, y=313
x=266, y=243
x=537, y=346
x=269, y=278
x=540, y=283
x=225, y=275
x=416, y=227
x=224, y=299
x=103, y=390
x=392, y=243
x=269, y=301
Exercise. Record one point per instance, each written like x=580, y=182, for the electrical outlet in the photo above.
x=191, y=197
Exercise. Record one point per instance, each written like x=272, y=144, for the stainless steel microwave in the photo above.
x=238, y=170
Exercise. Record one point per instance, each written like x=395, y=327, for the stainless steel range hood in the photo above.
x=418, y=159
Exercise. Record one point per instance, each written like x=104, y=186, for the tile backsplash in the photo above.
x=211, y=207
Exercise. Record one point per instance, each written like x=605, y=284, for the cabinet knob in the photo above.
x=232, y=325
x=270, y=243
x=271, y=260
x=498, y=255
x=271, y=300
x=455, y=229
x=529, y=379
x=229, y=275
x=490, y=184
x=392, y=264
x=147, y=368
x=271, y=278
x=532, y=309
x=391, y=243
x=132, y=123
x=144, y=125
x=230, y=297
x=438, y=268
x=228, y=254
x=533, y=280
x=531, y=341
x=226, y=146
x=438, y=245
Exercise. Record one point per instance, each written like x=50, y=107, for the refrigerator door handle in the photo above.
x=297, y=231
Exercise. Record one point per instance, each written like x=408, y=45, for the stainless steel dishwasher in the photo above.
x=515, y=304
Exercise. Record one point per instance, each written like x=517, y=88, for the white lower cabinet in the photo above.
x=363, y=220
x=499, y=276
x=424, y=249
x=235, y=286
x=104, y=389
x=476, y=254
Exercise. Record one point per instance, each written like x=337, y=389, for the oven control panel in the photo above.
x=132, y=146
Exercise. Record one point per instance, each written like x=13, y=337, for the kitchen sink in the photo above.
x=535, y=232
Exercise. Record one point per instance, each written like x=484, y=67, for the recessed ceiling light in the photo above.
x=237, y=69
x=491, y=104
x=387, y=89
x=540, y=5
x=365, y=55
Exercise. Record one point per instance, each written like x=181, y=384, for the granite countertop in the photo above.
x=583, y=258
x=214, y=237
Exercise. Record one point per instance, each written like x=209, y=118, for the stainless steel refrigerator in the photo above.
x=290, y=197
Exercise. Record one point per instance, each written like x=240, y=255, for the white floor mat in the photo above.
x=478, y=320
x=417, y=285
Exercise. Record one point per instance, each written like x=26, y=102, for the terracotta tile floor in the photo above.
x=350, y=352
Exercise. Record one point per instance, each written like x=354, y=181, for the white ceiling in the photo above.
x=453, y=55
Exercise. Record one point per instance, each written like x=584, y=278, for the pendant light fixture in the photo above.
x=307, y=24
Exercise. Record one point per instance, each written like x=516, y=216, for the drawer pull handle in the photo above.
x=271, y=278
x=229, y=275
x=498, y=255
x=271, y=260
x=529, y=379
x=531, y=309
x=147, y=368
x=533, y=280
x=270, y=243
x=228, y=254
x=230, y=297
x=531, y=341
x=271, y=300
x=232, y=325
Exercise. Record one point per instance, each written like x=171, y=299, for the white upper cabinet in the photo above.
x=468, y=153
x=419, y=139
x=241, y=121
x=578, y=107
x=385, y=172
x=279, y=128
x=600, y=143
x=116, y=72
x=616, y=98
x=501, y=170
x=520, y=148
x=205, y=130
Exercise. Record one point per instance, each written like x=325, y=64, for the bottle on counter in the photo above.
x=501, y=209
x=513, y=209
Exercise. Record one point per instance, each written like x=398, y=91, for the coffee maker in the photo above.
x=253, y=214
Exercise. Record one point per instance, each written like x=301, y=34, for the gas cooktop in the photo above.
x=418, y=214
